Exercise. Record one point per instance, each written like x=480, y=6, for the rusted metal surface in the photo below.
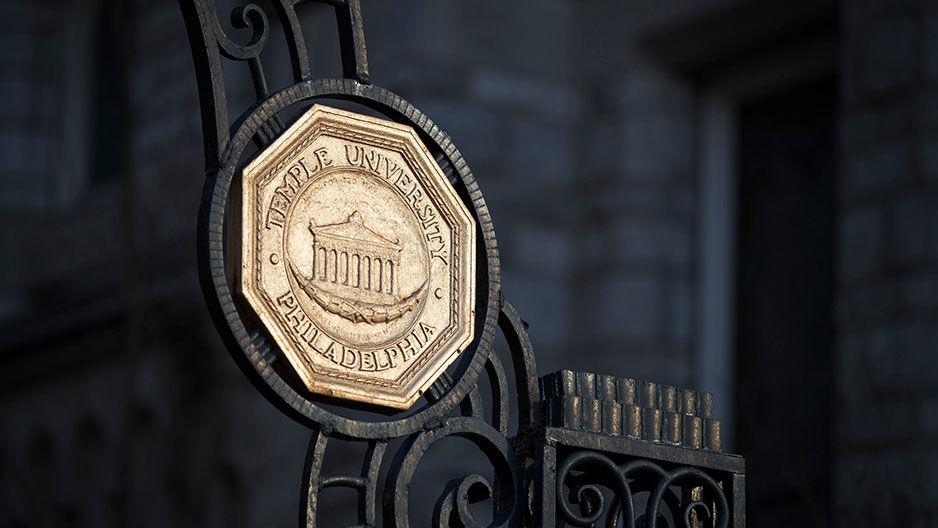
x=570, y=449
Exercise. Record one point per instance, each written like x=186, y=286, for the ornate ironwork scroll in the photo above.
x=571, y=448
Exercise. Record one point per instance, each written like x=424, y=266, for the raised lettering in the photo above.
x=349, y=358
x=287, y=300
x=391, y=170
x=392, y=356
x=317, y=343
x=334, y=354
x=382, y=355
x=428, y=331
x=359, y=152
x=435, y=233
x=373, y=161
x=322, y=155
x=415, y=196
x=426, y=215
x=439, y=253
x=407, y=349
x=368, y=363
x=403, y=182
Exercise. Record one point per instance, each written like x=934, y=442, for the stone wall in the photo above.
x=887, y=313
x=119, y=406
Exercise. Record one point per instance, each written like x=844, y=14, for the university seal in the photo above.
x=357, y=257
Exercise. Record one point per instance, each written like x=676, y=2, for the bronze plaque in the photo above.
x=358, y=257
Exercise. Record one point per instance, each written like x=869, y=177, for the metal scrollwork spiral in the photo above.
x=489, y=435
x=250, y=16
x=584, y=504
x=583, y=476
x=452, y=509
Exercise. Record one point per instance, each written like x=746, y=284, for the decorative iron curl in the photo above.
x=452, y=509
x=249, y=16
x=695, y=478
x=644, y=476
x=210, y=43
x=690, y=508
x=585, y=490
x=489, y=434
x=584, y=474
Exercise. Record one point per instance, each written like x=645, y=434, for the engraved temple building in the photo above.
x=351, y=255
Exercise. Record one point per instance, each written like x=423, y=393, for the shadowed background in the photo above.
x=735, y=196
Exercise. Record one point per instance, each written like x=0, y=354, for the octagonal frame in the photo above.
x=252, y=350
x=449, y=341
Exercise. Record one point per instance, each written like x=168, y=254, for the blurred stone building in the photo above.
x=737, y=196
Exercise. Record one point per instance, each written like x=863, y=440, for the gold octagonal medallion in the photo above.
x=358, y=257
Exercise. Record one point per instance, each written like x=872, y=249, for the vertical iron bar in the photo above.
x=209, y=77
x=352, y=41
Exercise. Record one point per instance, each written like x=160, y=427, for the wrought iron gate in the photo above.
x=587, y=450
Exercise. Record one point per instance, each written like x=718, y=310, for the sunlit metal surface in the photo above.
x=584, y=449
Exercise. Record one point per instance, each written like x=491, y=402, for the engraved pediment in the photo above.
x=354, y=230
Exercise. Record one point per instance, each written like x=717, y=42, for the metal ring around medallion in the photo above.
x=246, y=347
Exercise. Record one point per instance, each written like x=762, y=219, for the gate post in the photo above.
x=350, y=262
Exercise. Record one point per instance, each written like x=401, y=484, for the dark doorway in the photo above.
x=784, y=307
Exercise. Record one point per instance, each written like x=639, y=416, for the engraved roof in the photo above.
x=354, y=229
